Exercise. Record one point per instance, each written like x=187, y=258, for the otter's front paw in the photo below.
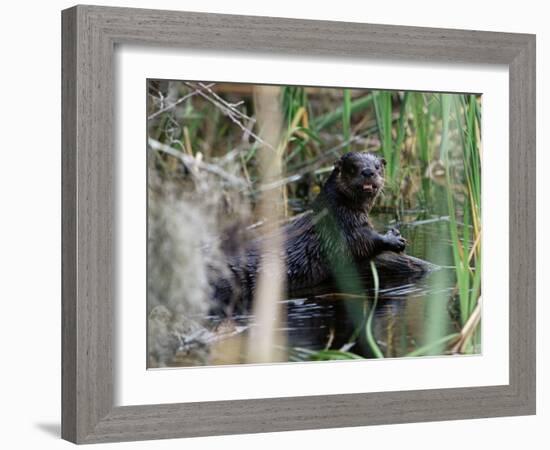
x=395, y=241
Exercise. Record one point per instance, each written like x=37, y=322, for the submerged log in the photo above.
x=397, y=268
x=394, y=270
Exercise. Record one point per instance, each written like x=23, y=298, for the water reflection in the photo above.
x=409, y=314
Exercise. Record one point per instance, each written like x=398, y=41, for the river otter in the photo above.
x=323, y=243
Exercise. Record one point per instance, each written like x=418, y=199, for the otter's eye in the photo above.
x=377, y=166
x=352, y=170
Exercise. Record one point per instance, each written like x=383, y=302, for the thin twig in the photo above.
x=468, y=329
x=180, y=100
x=191, y=162
x=231, y=106
x=314, y=167
x=229, y=111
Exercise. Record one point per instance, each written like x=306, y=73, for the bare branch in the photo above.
x=231, y=112
x=190, y=162
x=180, y=100
x=231, y=106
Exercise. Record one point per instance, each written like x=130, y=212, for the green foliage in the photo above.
x=383, y=108
x=434, y=347
x=327, y=119
x=346, y=118
x=328, y=355
x=368, y=327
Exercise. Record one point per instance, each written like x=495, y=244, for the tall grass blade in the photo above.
x=346, y=117
x=371, y=340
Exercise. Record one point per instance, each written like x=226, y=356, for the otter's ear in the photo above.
x=383, y=161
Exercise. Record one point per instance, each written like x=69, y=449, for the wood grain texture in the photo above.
x=522, y=283
x=89, y=200
x=68, y=225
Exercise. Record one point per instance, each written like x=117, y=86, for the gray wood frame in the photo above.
x=89, y=36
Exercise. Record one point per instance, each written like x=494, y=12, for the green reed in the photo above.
x=468, y=257
x=346, y=118
x=368, y=326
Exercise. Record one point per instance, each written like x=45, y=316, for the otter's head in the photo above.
x=359, y=177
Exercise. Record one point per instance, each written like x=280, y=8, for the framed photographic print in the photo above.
x=278, y=224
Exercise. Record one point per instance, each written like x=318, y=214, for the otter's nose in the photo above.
x=367, y=173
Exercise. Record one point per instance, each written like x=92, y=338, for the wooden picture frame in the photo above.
x=90, y=34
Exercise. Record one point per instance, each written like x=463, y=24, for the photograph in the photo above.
x=306, y=223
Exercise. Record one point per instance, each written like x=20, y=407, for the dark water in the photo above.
x=407, y=315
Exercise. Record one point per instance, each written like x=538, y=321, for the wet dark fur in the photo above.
x=317, y=244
